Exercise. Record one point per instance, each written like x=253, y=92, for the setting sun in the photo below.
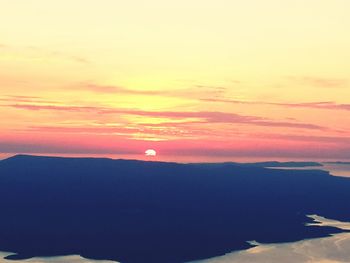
x=150, y=152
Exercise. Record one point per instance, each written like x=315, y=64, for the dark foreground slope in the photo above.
x=133, y=211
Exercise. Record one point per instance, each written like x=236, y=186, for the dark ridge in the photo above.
x=285, y=164
x=27, y=157
x=138, y=212
x=265, y=164
x=345, y=163
x=256, y=164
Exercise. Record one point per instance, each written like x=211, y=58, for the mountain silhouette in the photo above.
x=136, y=211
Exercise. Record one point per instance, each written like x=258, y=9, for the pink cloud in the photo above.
x=116, y=89
x=192, y=93
x=323, y=105
x=25, y=99
x=202, y=116
x=320, y=82
x=44, y=142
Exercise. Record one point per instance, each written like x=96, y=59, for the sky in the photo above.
x=194, y=80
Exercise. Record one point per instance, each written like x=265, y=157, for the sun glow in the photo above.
x=150, y=152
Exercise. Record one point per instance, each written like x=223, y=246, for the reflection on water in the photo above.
x=65, y=259
x=338, y=169
x=334, y=249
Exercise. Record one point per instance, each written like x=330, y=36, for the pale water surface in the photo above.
x=334, y=249
x=65, y=259
x=338, y=169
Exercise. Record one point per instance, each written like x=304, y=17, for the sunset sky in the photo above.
x=196, y=80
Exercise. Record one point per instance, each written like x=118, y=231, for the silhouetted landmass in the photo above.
x=285, y=164
x=345, y=163
x=263, y=164
x=135, y=211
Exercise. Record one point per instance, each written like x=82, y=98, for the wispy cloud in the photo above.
x=133, y=131
x=78, y=59
x=199, y=116
x=85, y=129
x=342, y=140
x=59, y=148
x=57, y=108
x=41, y=53
x=330, y=105
x=116, y=89
x=267, y=149
x=320, y=82
x=25, y=99
x=327, y=105
x=190, y=93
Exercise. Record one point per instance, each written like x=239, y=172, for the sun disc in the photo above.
x=150, y=152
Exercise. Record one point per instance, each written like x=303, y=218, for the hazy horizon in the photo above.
x=184, y=159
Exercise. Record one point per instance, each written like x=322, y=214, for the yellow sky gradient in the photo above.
x=207, y=79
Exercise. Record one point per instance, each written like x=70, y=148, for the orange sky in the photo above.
x=195, y=80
